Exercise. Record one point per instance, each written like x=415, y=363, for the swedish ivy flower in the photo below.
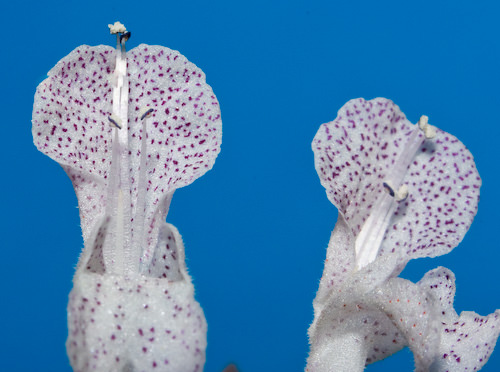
x=403, y=191
x=129, y=128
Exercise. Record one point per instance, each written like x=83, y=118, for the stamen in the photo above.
x=116, y=28
x=120, y=257
x=388, y=187
x=429, y=130
x=145, y=112
x=372, y=233
x=402, y=193
x=114, y=120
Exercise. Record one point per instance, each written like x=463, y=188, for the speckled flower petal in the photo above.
x=184, y=132
x=353, y=154
x=143, y=323
x=71, y=110
x=138, y=323
x=357, y=152
x=168, y=258
x=468, y=340
x=70, y=124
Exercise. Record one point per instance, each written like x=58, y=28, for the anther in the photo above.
x=402, y=193
x=145, y=112
x=388, y=187
x=125, y=36
x=114, y=120
x=429, y=130
x=372, y=232
x=117, y=28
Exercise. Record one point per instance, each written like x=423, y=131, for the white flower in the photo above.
x=403, y=191
x=129, y=128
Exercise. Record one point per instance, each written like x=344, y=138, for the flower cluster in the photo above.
x=403, y=191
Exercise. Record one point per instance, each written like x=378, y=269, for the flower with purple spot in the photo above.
x=403, y=191
x=129, y=128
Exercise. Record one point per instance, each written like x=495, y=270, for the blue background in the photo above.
x=255, y=227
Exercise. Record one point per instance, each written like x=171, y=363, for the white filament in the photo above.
x=373, y=230
x=120, y=258
x=139, y=216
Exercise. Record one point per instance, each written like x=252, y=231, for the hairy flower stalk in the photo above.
x=402, y=192
x=129, y=128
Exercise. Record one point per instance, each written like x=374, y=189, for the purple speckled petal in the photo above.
x=70, y=124
x=150, y=323
x=184, y=135
x=71, y=110
x=184, y=132
x=444, y=193
x=354, y=152
x=168, y=258
x=468, y=340
x=385, y=317
x=357, y=152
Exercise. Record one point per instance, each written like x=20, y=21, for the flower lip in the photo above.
x=71, y=124
x=360, y=150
